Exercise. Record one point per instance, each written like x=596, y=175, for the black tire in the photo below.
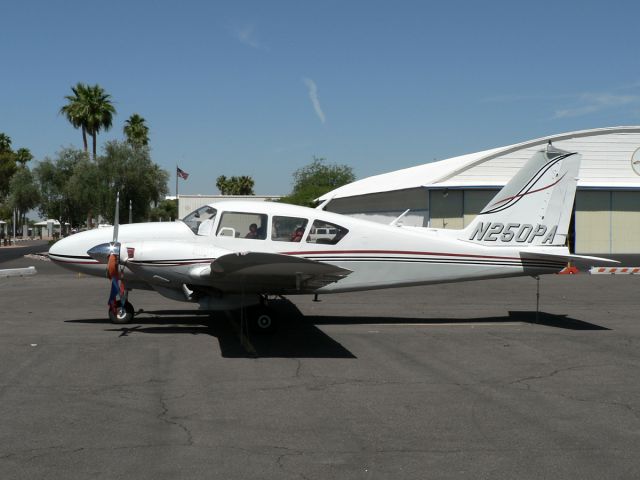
x=262, y=320
x=122, y=316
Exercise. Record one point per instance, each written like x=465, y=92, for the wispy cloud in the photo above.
x=247, y=36
x=596, y=102
x=313, y=96
x=513, y=97
x=579, y=104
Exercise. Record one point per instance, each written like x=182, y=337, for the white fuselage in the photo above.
x=379, y=256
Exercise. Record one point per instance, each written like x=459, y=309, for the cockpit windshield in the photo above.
x=201, y=220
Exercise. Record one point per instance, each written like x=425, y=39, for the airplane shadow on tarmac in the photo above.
x=295, y=338
x=542, y=318
x=298, y=336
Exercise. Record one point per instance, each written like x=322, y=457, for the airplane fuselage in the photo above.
x=166, y=255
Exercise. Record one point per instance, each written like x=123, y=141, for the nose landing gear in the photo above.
x=121, y=315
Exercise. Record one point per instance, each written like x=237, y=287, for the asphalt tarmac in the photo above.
x=450, y=381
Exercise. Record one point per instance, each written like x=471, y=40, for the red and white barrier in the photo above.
x=615, y=270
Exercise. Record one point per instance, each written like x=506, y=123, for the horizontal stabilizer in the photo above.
x=577, y=260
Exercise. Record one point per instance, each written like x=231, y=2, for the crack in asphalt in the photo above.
x=524, y=380
x=164, y=416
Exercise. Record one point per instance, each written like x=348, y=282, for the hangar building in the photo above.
x=450, y=193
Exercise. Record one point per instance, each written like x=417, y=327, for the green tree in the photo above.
x=100, y=113
x=23, y=155
x=53, y=177
x=165, y=210
x=23, y=193
x=81, y=191
x=75, y=189
x=9, y=162
x=242, y=185
x=75, y=111
x=5, y=143
x=91, y=109
x=136, y=131
x=8, y=168
x=131, y=172
x=316, y=179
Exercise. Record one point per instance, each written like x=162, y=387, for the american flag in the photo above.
x=181, y=173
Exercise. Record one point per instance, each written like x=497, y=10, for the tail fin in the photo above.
x=535, y=207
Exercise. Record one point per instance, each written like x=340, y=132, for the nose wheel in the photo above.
x=121, y=315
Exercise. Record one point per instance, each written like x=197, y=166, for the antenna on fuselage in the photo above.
x=324, y=203
x=394, y=223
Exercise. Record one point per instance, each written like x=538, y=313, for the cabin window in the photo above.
x=325, y=232
x=288, y=229
x=201, y=220
x=243, y=225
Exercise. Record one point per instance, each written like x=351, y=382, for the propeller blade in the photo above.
x=116, y=219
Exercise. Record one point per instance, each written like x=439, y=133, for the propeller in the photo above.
x=109, y=253
x=103, y=252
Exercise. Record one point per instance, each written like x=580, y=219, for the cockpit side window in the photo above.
x=288, y=229
x=243, y=225
x=201, y=220
x=325, y=232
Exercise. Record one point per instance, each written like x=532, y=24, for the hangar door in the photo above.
x=593, y=222
x=607, y=222
x=457, y=208
x=474, y=202
x=446, y=208
x=625, y=222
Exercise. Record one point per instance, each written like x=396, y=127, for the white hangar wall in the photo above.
x=450, y=193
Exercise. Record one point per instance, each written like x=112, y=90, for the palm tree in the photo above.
x=75, y=110
x=5, y=143
x=136, y=131
x=100, y=112
x=90, y=109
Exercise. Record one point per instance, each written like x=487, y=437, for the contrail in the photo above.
x=313, y=96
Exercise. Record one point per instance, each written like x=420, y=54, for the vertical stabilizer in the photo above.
x=535, y=207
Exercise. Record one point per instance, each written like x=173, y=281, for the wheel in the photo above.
x=122, y=315
x=262, y=320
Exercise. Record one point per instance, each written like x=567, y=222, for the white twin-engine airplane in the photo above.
x=236, y=254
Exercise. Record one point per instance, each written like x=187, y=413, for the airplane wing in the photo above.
x=267, y=273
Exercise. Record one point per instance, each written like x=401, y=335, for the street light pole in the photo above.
x=130, y=212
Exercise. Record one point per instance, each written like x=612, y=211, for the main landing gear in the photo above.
x=261, y=319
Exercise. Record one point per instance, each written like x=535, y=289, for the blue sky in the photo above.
x=258, y=88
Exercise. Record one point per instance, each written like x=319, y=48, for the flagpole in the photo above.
x=177, y=197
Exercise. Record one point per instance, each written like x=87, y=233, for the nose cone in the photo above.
x=102, y=252
x=71, y=251
x=68, y=250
